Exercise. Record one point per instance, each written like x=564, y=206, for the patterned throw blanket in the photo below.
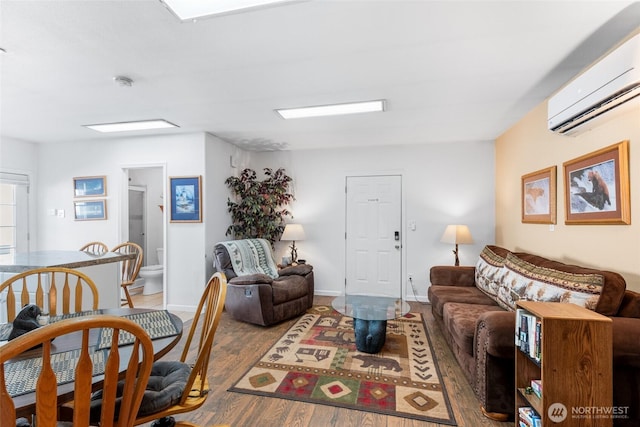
x=251, y=256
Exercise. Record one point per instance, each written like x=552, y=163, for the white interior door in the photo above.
x=373, y=235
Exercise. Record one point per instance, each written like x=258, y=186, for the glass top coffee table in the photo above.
x=370, y=314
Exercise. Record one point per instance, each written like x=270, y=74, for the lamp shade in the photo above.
x=293, y=232
x=457, y=234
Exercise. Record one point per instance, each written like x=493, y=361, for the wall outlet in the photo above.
x=410, y=277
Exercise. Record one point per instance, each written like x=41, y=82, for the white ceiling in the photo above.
x=450, y=70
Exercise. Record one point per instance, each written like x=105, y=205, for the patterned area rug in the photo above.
x=316, y=361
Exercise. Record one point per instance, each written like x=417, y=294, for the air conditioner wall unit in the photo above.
x=611, y=83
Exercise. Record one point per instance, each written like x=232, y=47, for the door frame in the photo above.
x=123, y=215
x=403, y=213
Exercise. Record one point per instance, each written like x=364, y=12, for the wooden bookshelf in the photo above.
x=575, y=366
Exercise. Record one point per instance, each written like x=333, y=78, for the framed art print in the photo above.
x=88, y=210
x=90, y=186
x=186, y=198
x=597, y=187
x=539, y=196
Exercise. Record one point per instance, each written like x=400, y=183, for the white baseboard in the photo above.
x=327, y=293
x=186, y=308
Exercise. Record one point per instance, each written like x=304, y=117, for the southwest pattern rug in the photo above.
x=316, y=361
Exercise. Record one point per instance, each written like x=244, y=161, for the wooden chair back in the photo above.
x=206, y=321
x=139, y=356
x=49, y=288
x=95, y=248
x=129, y=268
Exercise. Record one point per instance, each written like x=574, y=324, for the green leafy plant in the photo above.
x=259, y=209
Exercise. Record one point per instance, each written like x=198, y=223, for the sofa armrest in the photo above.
x=296, y=270
x=251, y=279
x=630, y=306
x=626, y=336
x=452, y=276
x=495, y=332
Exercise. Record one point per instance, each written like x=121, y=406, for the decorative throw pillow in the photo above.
x=523, y=280
x=489, y=272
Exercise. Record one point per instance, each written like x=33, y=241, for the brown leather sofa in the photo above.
x=480, y=329
x=262, y=300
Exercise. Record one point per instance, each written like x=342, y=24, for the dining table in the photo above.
x=164, y=328
x=103, y=268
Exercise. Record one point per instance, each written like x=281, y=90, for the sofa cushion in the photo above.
x=613, y=289
x=439, y=295
x=489, y=271
x=288, y=288
x=460, y=321
x=527, y=281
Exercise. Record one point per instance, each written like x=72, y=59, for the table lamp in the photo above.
x=457, y=234
x=293, y=232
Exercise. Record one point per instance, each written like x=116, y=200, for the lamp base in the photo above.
x=294, y=252
x=457, y=260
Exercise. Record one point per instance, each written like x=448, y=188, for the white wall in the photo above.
x=442, y=184
x=185, y=243
x=218, y=168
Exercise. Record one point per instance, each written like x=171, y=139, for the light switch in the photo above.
x=60, y=213
x=51, y=212
x=412, y=225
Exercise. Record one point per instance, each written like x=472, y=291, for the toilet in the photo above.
x=152, y=275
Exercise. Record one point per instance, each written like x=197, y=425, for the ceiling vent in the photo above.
x=610, y=84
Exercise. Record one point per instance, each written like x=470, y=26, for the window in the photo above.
x=14, y=215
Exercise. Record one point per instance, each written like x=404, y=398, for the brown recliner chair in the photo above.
x=261, y=299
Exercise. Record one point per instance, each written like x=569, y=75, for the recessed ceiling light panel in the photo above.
x=193, y=9
x=130, y=126
x=333, y=109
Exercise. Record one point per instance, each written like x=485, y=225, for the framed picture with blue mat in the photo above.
x=186, y=198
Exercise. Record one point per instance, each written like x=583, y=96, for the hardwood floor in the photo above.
x=155, y=301
x=237, y=345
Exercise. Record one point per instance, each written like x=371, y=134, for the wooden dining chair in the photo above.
x=135, y=359
x=95, y=248
x=129, y=269
x=56, y=290
x=181, y=386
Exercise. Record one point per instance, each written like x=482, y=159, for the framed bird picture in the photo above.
x=539, y=196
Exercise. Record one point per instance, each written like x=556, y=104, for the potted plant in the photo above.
x=259, y=209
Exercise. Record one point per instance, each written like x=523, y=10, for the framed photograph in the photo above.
x=539, y=196
x=186, y=198
x=89, y=210
x=90, y=186
x=597, y=187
